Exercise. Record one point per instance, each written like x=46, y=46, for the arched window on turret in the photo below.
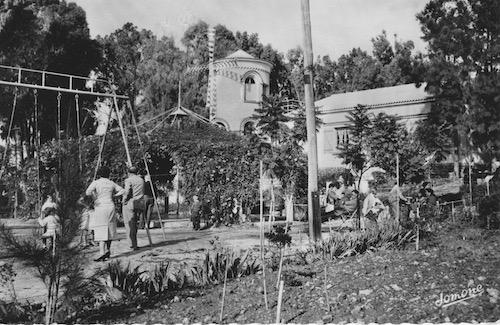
x=252, y=91
x=221, y=125
x=248, y=128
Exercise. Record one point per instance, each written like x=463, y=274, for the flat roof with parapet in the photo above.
x=374, y=98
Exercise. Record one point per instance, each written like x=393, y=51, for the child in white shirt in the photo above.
x=86, y=204
x=51, y=222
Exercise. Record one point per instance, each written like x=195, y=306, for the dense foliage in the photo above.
x=58, y=263
x=377, y=140
x=389, y=65
x=389, y=138
x=464, y=38
x=46, y=35
x=216, y=165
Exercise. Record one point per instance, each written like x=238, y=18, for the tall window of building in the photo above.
x=252, y=93
x=329, y=143
x=342, y=136
x=334, y=138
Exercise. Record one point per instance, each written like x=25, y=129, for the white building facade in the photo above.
x=408, y=102
x=240, y=81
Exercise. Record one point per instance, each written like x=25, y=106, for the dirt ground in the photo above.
x=181, y=244
x=383, y=286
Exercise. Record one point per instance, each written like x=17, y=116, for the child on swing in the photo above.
x=87, y=204
x=51, y=222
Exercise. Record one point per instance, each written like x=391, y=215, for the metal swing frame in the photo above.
x=44, y=81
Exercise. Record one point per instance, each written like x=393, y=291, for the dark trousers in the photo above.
x=195, y=218
x=145, y=216
x=130, y=221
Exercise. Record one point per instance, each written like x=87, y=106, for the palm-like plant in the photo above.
x=272, y=119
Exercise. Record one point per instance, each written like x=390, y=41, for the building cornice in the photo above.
x=404, y=117
x=238, y=60
x=381, y=105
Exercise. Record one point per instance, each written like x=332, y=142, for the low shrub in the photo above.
x=135, y=284
x=279, y=235
x=340, y=245
x=489, y=210
x=213, y=268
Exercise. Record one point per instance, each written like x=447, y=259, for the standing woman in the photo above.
x=103, y=190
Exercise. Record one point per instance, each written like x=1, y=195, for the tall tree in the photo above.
x=123, y=51
x=196, y=42
x=272, y=119
x=388, y=138
x=46, y=35
x=326, y=78
x=390, y=65
x=159, y=71
x=357, y=71
x=355, y=153
x=464, y=54
x=382, y=49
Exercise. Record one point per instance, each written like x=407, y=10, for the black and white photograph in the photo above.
x=249, y=161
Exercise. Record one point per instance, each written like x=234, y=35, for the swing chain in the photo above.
x=7, y=140
x=58, y=130
x=37, y=146
x=79, y=131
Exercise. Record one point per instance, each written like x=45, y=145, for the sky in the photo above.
x=337, y=25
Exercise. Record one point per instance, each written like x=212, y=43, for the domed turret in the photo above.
x=240, y=81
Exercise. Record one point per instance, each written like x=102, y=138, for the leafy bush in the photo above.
x=135, y=284
x=14, y=312
x=332, y=174
x=7, y=275
x=441, y=170
x=129, y=281
x=213, y=268
x=489, y=208
x=279, y=235
x=340, y=245
x=215, y=165
x=163, y=279
x=60, y=267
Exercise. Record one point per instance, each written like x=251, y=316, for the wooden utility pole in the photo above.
x=312, y=151
x=397, y=184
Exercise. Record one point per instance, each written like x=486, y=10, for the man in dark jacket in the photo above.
x=195, y=212
x=134, y=191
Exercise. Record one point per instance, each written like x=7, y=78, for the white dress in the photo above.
x=103, y=217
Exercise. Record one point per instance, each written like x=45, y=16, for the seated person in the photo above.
x=350, y=201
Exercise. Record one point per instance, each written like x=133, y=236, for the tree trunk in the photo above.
x=456, y=164
x=357, y=224
x=289, y=208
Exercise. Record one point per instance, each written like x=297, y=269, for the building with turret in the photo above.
x=239, y=82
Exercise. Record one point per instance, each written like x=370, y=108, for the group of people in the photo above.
x=204, y=209
x=341, y=201
x=137, y=201
x=98, y=210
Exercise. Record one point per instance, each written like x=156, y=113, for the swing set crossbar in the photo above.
x=67, y=79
